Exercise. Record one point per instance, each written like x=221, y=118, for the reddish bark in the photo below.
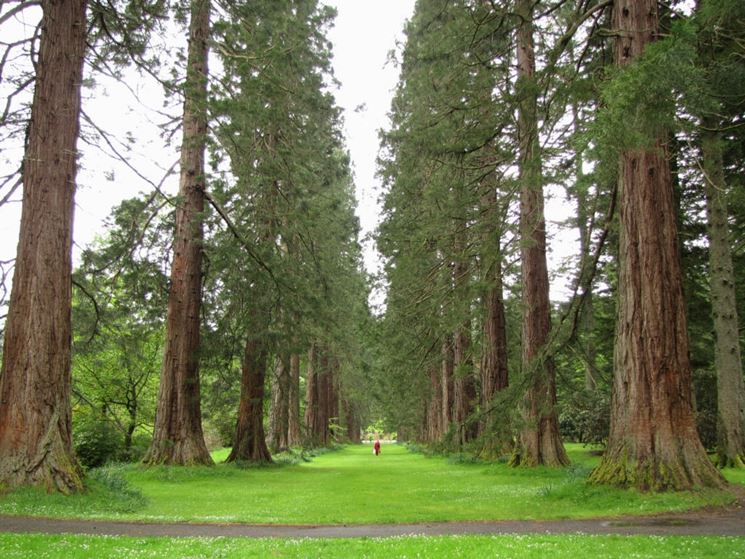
x=250, y=440
x=432, y=430
x=35, y=415
x=279, y=412
x=653, y=442
x=464, y=385
x=177, y=436
x=294, y=436
x=447, y=383
x=352, y=421
x=539, y=442
x=494, y=375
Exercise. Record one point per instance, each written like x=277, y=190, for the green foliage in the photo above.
x=639, y=99
x=585, y=417
x=96, y=441
x=118, y=311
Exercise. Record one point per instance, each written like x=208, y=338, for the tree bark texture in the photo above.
x=177, y=436
x=653, y=442
x=250, y=439
x=464, y=378
x=464, y=384
x=539, y=441
x=727, y=359
x=294, y=437
x=494, y=427
x=332, y=396
x=320, y=394
x=35, y=415
x=351, y=421
x=494, y=376
x=433, y=428
x=447, y=383
x=279, y=412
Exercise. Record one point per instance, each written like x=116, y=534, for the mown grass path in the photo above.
x=353, y=487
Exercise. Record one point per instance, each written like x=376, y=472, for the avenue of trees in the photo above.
x=630, y=113
x=235, y=312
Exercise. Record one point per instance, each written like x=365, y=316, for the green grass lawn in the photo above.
x=22, y=546
x=351, y=486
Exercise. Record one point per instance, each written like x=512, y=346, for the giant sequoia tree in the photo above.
x=653, y=442
x=540, y=442
x=177, y=437
x=35, y=427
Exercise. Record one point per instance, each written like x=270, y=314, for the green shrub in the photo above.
x=96, y=441
x=585, y=418
x=140, y=445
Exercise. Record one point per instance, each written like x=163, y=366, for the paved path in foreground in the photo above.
x=729, y=521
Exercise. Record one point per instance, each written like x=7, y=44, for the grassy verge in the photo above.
x=13, y=546
x=353, y=486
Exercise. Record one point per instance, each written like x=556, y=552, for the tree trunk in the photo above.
x=35, y=415
x=494, y=426
x=331, y=403
x=434, y=428
x=447, y=383
x=294, y=437
x=464, y=385
x=131, y=424
x=352, y=421
x=653, y=443
x=464, y=379
x=319, y=398
x=494, y=377
x=279, y=412
x=730, y=389
x=539, y=436
x=177, y=436
x=311, y=398
x=250, y=440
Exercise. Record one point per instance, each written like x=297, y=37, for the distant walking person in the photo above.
x=376, y=447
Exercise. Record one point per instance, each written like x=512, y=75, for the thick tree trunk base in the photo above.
x=255, y=451
x=683, y=472
x=554, y=458
x=737, y=462
x=185, y=452
x=52, y=468
x=495, y=448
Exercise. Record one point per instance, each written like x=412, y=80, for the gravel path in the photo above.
x=729, y=521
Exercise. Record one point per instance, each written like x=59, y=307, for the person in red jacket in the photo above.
x=376, y=447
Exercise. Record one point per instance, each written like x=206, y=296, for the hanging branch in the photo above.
x=234, y=230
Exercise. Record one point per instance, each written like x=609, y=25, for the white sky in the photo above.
x=364, y=34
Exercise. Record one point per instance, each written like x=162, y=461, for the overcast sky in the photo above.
x=364, y=34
